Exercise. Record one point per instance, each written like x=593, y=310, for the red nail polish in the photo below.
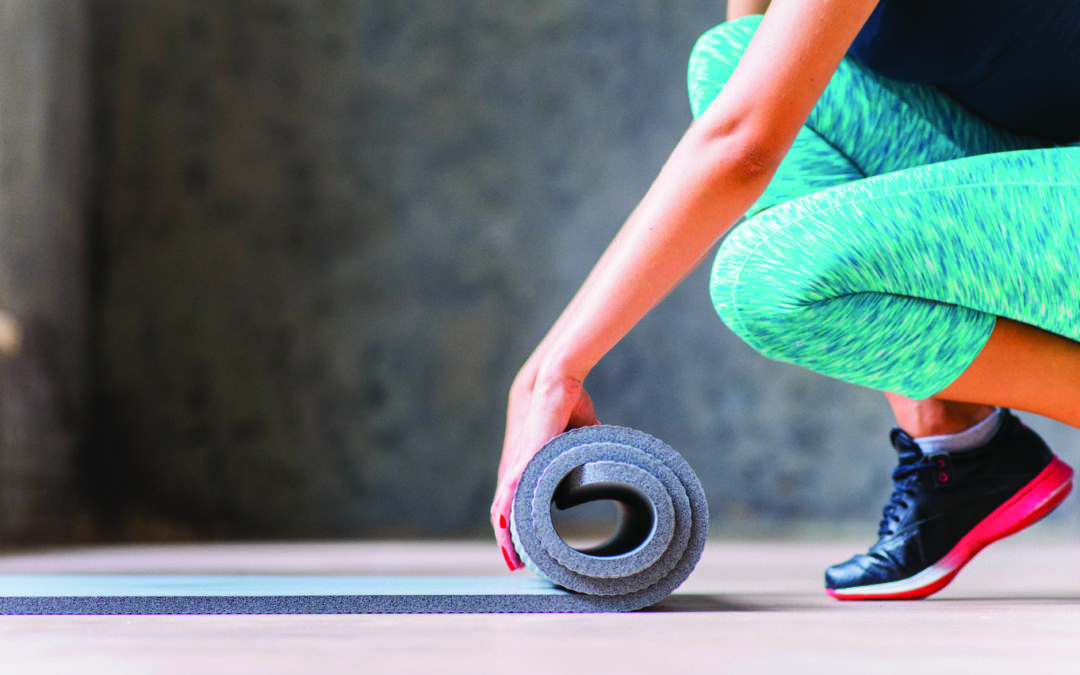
x=502, y=522
x=506, y=557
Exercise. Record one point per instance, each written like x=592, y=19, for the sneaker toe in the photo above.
x=860, y=570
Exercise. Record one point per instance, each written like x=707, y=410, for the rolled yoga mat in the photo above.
x=661, y=533
x=664, y=517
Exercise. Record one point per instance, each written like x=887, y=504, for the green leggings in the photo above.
x=896, y=230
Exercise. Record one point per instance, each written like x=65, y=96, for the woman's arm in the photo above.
x=717, y=171
x=740, y=8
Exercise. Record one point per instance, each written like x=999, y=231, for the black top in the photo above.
x=1014, y=62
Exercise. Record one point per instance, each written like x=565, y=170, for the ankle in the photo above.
x=975, y=436
x=937, y=417
x=951, y=422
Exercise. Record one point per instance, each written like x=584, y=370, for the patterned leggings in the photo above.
x=896, y=230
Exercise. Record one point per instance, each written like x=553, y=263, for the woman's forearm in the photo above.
x=707, y=184
x=720, y=167
x=709, y=181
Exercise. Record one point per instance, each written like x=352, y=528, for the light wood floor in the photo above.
x=749, y=607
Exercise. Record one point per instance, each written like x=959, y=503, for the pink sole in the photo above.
x=1034, y=501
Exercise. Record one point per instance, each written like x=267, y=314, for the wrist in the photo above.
x=561, y=367
x=558, y=383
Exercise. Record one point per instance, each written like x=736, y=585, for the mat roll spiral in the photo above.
x=663, y=523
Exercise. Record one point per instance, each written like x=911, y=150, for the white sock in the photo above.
x=972, y=437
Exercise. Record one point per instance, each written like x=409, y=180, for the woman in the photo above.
x=917, y=239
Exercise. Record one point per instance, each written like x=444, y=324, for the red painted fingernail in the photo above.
x=502, y=522
x=506, y=557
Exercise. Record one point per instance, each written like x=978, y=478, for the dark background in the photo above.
x=275, y=264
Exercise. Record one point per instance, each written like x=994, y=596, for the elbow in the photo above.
x=743, y=151
x=751, y=162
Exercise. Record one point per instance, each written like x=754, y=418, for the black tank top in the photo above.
x=1014, y=62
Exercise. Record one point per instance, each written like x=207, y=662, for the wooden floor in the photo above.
x=749, y=607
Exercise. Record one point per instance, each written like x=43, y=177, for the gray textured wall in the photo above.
x=328, y=233
x=43, y=173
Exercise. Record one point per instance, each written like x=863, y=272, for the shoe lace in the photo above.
x=905, y=480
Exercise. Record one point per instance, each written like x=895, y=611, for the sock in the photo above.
x=968, y=439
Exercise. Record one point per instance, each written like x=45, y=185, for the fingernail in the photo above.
x=502, y=522
x=506, y=557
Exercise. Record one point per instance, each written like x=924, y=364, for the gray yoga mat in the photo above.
x=661, y=533
x=664, y=517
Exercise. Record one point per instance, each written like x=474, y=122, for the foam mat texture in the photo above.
x=663, y=527
x=660, y=537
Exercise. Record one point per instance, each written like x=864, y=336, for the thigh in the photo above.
x=863, y=125
x=894, y=282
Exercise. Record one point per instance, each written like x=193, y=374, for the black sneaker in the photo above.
x=945, y=508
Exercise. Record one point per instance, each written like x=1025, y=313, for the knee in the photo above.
x=787, y=284
x=714, y=58
x=797, y=292
x=761, y=286
x=784, y=299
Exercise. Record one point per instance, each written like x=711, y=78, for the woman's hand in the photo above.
x=541, y=407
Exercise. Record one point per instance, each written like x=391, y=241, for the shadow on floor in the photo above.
x=1070, y=599
x=699, y=602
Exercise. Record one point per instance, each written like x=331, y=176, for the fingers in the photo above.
x=583, y=414
x=551, y=409
x=516, y=411
x=500, y=523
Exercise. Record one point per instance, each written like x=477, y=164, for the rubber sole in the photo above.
x=1032, y=502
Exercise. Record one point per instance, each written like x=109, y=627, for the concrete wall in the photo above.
x=328, y=233
x=333, y=231
x=43, y=213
